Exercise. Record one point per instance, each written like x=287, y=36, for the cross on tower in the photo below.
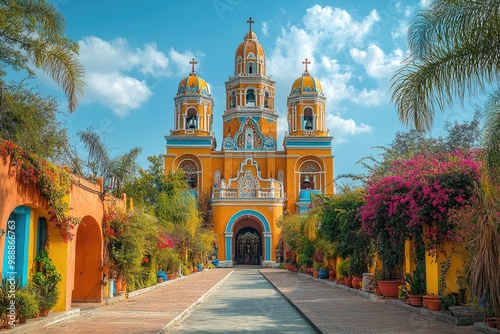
x=250, y=21
x=193, y=62
x=306, y=62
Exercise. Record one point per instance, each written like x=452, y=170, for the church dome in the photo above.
x=250, y=48
x=306, y=84
x=193, y=84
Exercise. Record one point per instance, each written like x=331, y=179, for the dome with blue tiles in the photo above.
x=193, y=84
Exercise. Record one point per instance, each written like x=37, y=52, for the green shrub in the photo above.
x=26, y=303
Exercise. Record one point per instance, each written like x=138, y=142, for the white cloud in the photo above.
x=341, y=128
x=425, y=3
x=265, y=28
x=121, y=93
x=378, y=65
x=115, y=72
x=182, y=61
x=337, y=26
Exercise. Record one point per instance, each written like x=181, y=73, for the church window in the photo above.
x=233, y=99
x=250, y=98
x=266, y=100
x=308, y=119
x=192, y=119
x=250, y=68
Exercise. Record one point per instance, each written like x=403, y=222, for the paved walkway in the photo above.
x=243, y=301
x=150, y=312
x=335, y=310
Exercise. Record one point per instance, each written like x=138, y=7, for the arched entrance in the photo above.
x=248, y=246
x=88, y=256
x=240, y=223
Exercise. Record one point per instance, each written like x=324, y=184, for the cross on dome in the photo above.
x=193, y=62
x=250, y=21
x=306, y=62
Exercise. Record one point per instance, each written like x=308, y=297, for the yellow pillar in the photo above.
x=432, y=272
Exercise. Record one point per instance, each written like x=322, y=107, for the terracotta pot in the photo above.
x=389, y=289
x=415, y=300
x=348, y=282
x=171, y=276
x=355, y=281
x=118, y=285
x=23, y=320
x=491, y=322
x=376, y=291
x=331, y=275
x=124, y=286
x=44, y=312
x=315, y=274
x=433, y=303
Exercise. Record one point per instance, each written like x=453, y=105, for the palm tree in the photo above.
x=455, y=53
x=122, y=167
x=33, y=31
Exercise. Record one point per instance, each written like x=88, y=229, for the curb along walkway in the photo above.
x=151, y=312
x=334, y=310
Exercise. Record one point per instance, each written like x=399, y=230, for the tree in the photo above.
x=33, y=31
x=454, y=54
x=29, y=119
x=122, y=167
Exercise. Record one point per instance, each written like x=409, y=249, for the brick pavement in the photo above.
x=328, y=309
x=334, y=310
x=150, y=312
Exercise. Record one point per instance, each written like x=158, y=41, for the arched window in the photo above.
x=266, y=100
x=233, y=99
x=308, y=177
x=191, y=175
x=308, y=119
x=250, y=68
x=192, y=119
x=250, y=98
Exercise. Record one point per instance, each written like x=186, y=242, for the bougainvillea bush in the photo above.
x=51, y=181
x=416, y=195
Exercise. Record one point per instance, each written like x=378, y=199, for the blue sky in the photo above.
x=135, y=54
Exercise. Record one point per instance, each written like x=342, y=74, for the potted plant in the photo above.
x=27, y=305
x=343, y=270
x=45, y=283
x=417, y=284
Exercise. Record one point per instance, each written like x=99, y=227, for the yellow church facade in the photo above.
x=248, y=182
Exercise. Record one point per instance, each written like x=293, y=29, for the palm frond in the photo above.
x=491, y=139
x=61, y=63
x=98, y=153
x=486, y=267
x=454, y=53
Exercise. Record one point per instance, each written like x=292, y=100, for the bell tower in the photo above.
x=250, y=121
x=306, y=107
x=193, y=106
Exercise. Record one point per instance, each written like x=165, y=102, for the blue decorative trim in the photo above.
x=263, y=220
x=268, y=248
x=258, y=215
x=228, y=248
x=309, y=144
x=182, y=142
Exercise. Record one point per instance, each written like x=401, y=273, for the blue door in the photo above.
x=15, y=259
